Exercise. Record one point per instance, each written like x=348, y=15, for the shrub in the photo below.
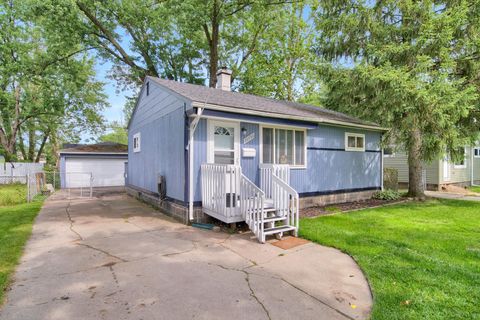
x=387, y=195
x=390, y=178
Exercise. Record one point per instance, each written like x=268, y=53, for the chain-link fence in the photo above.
x=77, y=184
x=13, y=179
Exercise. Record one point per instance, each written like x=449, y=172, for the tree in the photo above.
x=410, y=66
x=118, y=134
x=284, y=64
x=47, y=84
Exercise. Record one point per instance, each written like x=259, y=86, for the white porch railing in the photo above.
x=286, y=201
x=267, y=170
x=230, y=196
x=252, y=204
x=220, y=186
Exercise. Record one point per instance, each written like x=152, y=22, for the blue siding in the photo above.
x=331, y=170
x=63, y=178
x=250, y=165
x=159, y=118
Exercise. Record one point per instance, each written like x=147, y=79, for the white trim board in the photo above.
x=260, y=143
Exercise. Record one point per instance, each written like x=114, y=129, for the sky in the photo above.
x=115, y=100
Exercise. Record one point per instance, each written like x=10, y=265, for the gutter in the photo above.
x=472, y=165
x=190, y=148
x=285, y=116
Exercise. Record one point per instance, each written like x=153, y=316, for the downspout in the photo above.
x=381, y=168
x=472, y=164
x=190, y=148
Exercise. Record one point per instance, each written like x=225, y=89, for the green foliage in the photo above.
x=117, y=134
x=390, y=178
x=15, y=229
x=283, y=65
x=421, y=259
x=12, y=194
x=387, y=195
x=410, y=66
x=475, y=189
x=48, y=90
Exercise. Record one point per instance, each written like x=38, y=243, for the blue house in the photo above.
x=198, y=152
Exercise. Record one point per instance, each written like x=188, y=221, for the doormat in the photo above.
x=289, y=243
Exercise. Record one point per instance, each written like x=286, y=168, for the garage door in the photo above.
x=106, y=172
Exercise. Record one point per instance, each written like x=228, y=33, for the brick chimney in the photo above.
x=224, y=77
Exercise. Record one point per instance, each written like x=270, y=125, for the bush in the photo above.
x=387, y=195
x=13, y=194
x=390, y=178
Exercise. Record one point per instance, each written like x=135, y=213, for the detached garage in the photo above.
x=98, y=165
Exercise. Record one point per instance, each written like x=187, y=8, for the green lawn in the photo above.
x=474, y=189
x=15, y=228
x=421, y=259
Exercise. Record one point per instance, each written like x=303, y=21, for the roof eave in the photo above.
x=285, y=116
x=123, y=153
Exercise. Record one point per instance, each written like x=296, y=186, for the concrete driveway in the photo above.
x=111, y=257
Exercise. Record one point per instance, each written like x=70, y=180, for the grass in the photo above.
x=12, y=194
x=474, y=189
x=16, y=221
x=422, y=259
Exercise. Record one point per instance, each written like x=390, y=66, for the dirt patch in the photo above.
x=457, y=190
x=343, y=207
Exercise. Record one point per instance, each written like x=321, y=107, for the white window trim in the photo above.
x=137, y=137
x=392, y=155
x=464, y=165
x=476, y=148
x=356, y=135
x=304, y=166
x=210, y=145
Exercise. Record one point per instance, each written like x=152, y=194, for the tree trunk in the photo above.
x=415, y=168
x=42, y=146
x=21, y=145
x=213, y=44
x=31, y=142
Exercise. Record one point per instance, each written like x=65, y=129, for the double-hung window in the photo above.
x=283, y=146
x=476, y=152
x=136, y=142
x=354, y=142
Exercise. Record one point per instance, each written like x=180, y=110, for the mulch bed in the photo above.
x=343, y=207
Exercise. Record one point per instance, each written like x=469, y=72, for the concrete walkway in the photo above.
x=452, y=196
x=114, y=258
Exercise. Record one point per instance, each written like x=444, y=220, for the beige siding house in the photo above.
x=440, y=172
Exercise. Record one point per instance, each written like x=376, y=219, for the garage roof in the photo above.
x=98, y=148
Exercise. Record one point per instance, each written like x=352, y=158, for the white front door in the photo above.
x=223, y=142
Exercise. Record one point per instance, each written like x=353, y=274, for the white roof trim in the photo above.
x=285, y=116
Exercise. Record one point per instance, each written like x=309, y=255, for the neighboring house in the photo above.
x=195, y=150
x=96, y=165
x=439, y=173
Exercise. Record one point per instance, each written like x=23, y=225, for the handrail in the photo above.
x=286, y=201
x=267, y=170
x=252, y=200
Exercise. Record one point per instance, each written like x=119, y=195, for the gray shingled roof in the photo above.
x=202, y=94
x=102, y=147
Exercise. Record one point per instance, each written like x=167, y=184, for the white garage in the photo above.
x=99, y=165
